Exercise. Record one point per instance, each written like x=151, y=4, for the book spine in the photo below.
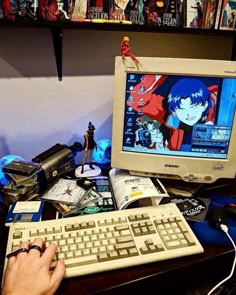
x=227, y=18
x=116, y=13
x=210, y=14
x=218, y=14
x=97, y=9
x=188, y=14
x=195, y=14
x=79, y=10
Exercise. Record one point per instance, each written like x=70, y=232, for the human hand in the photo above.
x=28, y=273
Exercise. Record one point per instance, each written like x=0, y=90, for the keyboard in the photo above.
x=111, y=240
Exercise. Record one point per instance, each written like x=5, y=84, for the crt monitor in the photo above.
x=175, y=118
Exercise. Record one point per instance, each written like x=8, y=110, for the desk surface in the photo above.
x=177, y=274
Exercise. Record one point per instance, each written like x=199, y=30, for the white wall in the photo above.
x=37, y=110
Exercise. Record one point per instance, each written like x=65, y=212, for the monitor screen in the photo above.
x=175, y=118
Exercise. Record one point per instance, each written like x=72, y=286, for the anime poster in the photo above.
x=195, y=11
x=117, y=9
x=134, y=11
x=164, y=13
x=227, y=19
x=210, y=14
x=9, y=9
x=165, y=114
x=54, y=10
x=154, y=11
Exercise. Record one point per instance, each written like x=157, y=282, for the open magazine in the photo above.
x=130, y=190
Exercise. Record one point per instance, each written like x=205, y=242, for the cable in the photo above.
x=224, y=228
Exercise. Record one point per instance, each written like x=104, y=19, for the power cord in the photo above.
x=224, y=228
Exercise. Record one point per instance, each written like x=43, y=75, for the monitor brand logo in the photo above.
x=171, y=166
x=230, y=72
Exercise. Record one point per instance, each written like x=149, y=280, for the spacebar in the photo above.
x=73, y=262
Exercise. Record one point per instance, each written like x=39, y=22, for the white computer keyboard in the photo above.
x=111, y=240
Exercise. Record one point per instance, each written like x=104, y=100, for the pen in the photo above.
x=81, y=20
x=111, y=21
x=102, y=21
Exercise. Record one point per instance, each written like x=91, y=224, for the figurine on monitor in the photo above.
x=89, y=145
x=125, y=49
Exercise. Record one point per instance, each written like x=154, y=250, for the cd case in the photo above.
x=98, y=199
x=64, y=191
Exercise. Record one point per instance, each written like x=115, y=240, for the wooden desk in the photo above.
x=166, y=277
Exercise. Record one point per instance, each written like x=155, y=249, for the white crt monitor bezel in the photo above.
x=202, y=170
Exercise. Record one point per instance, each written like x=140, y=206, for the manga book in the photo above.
x=79, y=10
x=134, y=12
x=227, y=19
x=1, y=10
x=164, y=13
x=9, y=9
x=173, y=13
x=54, y=10
x=194, y=14
x=27, y=9
x=117, y=9
x=98, y=9
x=210, y=14
x=153, y=13
x=131, y=10
x=218, y=14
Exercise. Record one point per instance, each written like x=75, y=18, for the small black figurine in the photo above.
x=89, y=145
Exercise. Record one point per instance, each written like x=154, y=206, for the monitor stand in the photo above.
x=88, y=172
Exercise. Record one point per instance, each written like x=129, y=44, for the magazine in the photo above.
x=137, y=191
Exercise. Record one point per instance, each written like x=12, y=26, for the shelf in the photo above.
x=109, y=27
x=58, y=27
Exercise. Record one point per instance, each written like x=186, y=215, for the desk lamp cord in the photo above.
x=224, y=228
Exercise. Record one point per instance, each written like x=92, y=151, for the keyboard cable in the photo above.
x=224, y=228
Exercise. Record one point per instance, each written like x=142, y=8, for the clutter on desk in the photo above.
x=23, y=182
x=57, y=161
x=4, y=161
x=101, y=199
x=26, y=180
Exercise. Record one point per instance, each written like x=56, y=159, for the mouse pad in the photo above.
x=194, y=209
x=207, y=234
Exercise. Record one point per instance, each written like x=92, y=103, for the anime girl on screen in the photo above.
x=178, y=103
